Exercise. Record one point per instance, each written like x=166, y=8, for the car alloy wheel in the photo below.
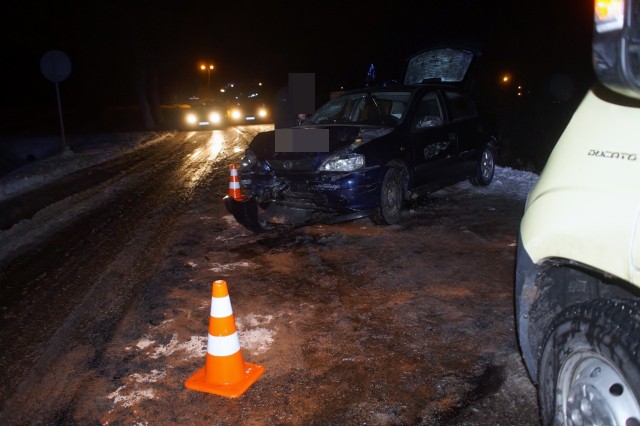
x=485, y=168
x=391, y=197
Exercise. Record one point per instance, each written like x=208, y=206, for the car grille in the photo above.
x=298, y=165
x=298, y=194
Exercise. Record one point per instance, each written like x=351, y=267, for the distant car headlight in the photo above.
x=262, y=112
x=215, y=118
x=343, y=163
x=191, y=118
x=236, y=114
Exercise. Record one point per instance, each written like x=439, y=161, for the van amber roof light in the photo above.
x=609, y=15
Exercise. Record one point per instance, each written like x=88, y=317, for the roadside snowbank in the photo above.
x=84, y=153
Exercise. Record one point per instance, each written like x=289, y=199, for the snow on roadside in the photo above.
x=512, y=182
x=254, y=337
x=131, y=398
x=88, y=153
x=508, y=182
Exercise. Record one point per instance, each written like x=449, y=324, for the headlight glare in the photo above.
x=236, y=114
x=191, y=118
x=343, y=163
x=214, y=118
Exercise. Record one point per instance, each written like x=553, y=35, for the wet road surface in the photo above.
x=105, y=315
x=83, y=246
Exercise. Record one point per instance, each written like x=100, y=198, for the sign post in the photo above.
x=56, y=67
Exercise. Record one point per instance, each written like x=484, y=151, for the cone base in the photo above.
x=199, y=383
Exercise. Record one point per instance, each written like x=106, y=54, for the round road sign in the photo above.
x=55, y=65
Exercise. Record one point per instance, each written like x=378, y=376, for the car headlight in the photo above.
x=343, y=163
x=191, y=118
x=248, y=161
x=215, y=118
x=236, y=114
x=262, y=112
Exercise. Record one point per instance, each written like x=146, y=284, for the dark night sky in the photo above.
x=107, y=40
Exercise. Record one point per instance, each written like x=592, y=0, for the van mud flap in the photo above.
x=245, y=212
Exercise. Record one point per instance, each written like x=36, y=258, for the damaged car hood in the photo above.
x=341, y=137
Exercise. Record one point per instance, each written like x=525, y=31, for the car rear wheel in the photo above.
x=485, y=168
x=391, y=198
x=589, y=368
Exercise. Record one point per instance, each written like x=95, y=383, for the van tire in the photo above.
x=592, y=348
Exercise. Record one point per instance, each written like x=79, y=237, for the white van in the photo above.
x=578, y=265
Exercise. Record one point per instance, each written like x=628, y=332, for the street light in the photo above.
x=208, y=68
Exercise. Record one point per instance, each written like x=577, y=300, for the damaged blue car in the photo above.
x=367, y=152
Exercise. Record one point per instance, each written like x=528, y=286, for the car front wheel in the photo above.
x=590, y=366
x=485, y=168
x=391, y=198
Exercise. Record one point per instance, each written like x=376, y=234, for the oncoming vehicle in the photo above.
x=249, y=112
x=247, y=104
x=366, y=152
x=578, y=263
x=205, y=113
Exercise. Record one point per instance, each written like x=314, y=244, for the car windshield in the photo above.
x=376, y=108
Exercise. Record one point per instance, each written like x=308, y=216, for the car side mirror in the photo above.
x=428, y=121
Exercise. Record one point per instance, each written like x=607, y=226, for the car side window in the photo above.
x=460, y=105
x=428, y=112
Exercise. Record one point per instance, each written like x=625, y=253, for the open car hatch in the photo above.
x=444, y=65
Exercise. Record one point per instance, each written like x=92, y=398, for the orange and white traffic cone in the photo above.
x=234, y=184
x=224, y=373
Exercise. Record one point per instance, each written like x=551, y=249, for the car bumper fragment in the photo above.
x=245, y=212
x=282, y=214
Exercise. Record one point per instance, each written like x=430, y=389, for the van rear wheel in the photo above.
x=589, y=369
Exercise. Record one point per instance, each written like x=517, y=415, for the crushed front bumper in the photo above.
x=299, y=199
x=248, y=214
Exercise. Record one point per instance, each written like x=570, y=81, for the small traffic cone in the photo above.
x=224, y=373
x=234, y=184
